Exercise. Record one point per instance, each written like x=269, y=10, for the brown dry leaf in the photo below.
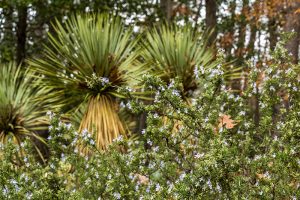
x=270, y=164
x=260, y=78
x=297, y=11
x=293, y=184
x=144, y=180
x=260, y=176
x=225, y=120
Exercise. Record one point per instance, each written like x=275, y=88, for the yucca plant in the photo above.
x=174, y=51
x=89, y=58
x=178, y=51
x=21, y=113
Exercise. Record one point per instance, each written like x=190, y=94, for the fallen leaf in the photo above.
x=227, y=121
x=144, y=180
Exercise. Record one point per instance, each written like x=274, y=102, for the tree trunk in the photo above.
x=272, y=28
x=7, y=48
x=230, y=32
x=211, y=19
x=21, y=33
x=166, y=9
x=252, y=40
x=240, y=51
x=293, y=24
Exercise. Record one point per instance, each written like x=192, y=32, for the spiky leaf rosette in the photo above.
x=173, y=51
x=21, y=114
x=88, y=59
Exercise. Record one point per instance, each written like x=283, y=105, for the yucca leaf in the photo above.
x=21, y=113
x=172, y=51
x=88, y=59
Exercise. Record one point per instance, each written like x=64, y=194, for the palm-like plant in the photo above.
x=21, y=114
x=181, y=52
x=88, y=59
x=174, y=51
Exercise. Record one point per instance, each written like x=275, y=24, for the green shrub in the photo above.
x=212, y=149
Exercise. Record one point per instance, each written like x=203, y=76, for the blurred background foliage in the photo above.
x=243, y=28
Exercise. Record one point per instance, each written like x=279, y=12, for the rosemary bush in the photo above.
x=212, y=148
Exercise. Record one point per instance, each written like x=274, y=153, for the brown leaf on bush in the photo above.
x=144, y=180
x=260, y=176
x=270, y=164
x=227, y=121
x=293, y=184
x=297, y=11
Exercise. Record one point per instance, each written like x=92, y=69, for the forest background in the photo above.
x=243, y=28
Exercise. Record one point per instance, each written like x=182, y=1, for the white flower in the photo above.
x=272, y=88
x=13, y=182
x=148, y=189
x=117, y=195
x=199, y=155
x=243, y=113
x=231, y=96
x=223, y=87
x=84, y=132
x=219, y=188
x=68, y=126
x=92, y=142
x=28, y=195
x=129, y=89
x=161, y=88
x=162, y=164
x=196, y=72
x=175, y=92
x=295, y=88
x=118, y=139
x=122, y=105
x=128, y=105
x=182, y=176
x=130, y=176
x=171, y=84
x=157, y=95
x=63, y=157
x=257, y=157
x=157, y=187
x=149, y=142
x=206, y=119
x=155, y=149
x=209, y=184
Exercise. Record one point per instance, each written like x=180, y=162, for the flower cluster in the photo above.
x=96, y=82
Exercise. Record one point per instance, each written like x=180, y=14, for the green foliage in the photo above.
x=21, y=113
x=202, y=158
x=174, y=51
x=90, y=56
